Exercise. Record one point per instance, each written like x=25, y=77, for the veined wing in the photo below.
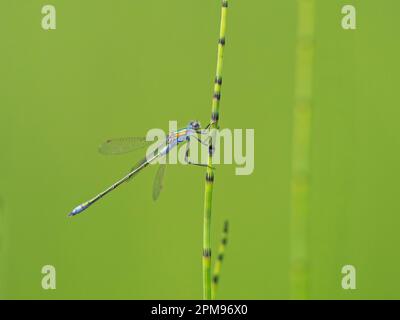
x=148, y=159
x=140, y=163
x=158, y=183
x=123, y=145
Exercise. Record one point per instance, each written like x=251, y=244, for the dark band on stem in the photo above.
x=214, y=116
x=217, y=96
x=224, y=241
x=215, y=279
x=211, y=150
x=220, y=257
x=225, y=3
x=221, y=41
x=218, y=80
x=226, y=226
x=210, y=177
x=207, y=253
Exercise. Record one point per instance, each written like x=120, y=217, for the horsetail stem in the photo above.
x=301, y=149
x=218, y=263
x=209, y=185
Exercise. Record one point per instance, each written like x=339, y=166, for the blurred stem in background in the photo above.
x=209, y=186
x=220, y=258
x=302, y=115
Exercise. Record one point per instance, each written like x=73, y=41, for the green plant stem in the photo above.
x=218, y=263
x=302, y=115
x=210, y=170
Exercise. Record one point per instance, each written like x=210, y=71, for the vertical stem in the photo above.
x=301, y=149
x=210, y=171
x=220, y=258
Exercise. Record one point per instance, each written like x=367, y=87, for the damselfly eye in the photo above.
x=196, y=125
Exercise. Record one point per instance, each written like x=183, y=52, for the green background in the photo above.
x=119, y=68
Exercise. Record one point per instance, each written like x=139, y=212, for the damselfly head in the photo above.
x=195, y=125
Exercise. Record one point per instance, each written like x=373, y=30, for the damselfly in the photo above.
x=124, y=145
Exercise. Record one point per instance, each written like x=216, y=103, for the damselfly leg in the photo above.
x=187, y=154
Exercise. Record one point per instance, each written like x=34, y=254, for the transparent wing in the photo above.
x=136, y=166
x=123, y=145
x=158, y=181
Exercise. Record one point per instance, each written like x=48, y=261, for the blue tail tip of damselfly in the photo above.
x=78, y=209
